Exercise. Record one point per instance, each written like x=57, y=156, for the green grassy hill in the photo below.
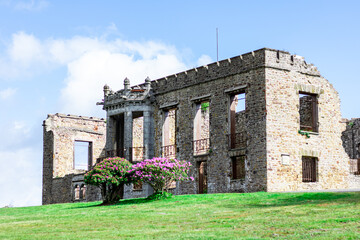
x=209, y=216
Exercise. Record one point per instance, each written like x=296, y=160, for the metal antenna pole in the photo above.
x=217, y=45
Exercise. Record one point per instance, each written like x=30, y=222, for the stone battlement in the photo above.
x=60, y=115
x=264, y=57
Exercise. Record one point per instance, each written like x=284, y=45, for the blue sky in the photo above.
x=55, y=56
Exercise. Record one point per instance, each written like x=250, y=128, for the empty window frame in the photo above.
x=137, y=149
x=83, y=191
x=308, y=111
x=237, y=134
x=355, y=166
x=137, y=186
x=201, y=140
x=170, y=185
x=238, y=103
x=309, y=169
x=82, y=155
x=169, y=133
x=238, y=167
x=77, y=192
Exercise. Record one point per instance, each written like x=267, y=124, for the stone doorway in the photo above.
x=202, y=177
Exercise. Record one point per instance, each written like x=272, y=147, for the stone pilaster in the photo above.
x=128, y=126
x=148, y=143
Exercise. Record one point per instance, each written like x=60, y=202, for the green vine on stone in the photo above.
x=205, y=106
x=304, y=133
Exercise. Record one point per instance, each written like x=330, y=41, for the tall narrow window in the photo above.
x=355, y=166
x=309, y=169
x=201, y=141
x=238, y=167
x=203, y=188
x=82, y=155
x=169, y=134
x=76, y=192
x=237, y=136
x=83, y=191
x=138, y=137
x=118, y=123
x=308, y=111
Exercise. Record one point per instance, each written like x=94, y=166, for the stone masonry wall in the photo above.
x=60, y=133
x=351, y=143
x=284, y=80
x=351, y=138
x=215, y=83
x=273, y=80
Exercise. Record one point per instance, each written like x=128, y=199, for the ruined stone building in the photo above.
x=262, y=121
x=66, y=138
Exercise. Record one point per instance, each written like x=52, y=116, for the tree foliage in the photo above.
x=160, y=172
x=110, y=175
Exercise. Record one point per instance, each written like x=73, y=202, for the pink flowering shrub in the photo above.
x=110, y=175
x=160, y=172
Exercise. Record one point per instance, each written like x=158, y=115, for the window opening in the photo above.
x=355, y=166
x=83, y=191
x=77, y=192
x=137, y=150
x=119, y=136
x=238, y=167
x=237, y=135
x=202, y=171
x=309, y=169
x=137, y=186
x=169, y=134
x=82, y=155
x=170, y=185
x=201, y=142
x=308, y=111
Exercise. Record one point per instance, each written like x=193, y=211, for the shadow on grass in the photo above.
x=122, y=202
x=306, y=198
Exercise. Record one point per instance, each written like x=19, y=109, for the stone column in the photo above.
x=128, y=126
x=148, y=143
x=110, y=133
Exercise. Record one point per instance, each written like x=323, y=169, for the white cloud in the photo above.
x=25, y=48
x=7, y=93
x=20, y=177
x=204, y=60
x=88, y=74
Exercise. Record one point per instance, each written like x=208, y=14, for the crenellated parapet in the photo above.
x=264, y=57
x=285, y=61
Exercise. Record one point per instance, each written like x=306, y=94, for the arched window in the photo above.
x=76, y=192
x=83, y=191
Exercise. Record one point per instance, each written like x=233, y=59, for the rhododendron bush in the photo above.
x=110, y=175
x=160, y=172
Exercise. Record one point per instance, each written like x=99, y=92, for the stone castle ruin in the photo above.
x=262, y=121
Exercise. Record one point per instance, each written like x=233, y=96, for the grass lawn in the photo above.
x=208, y=216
